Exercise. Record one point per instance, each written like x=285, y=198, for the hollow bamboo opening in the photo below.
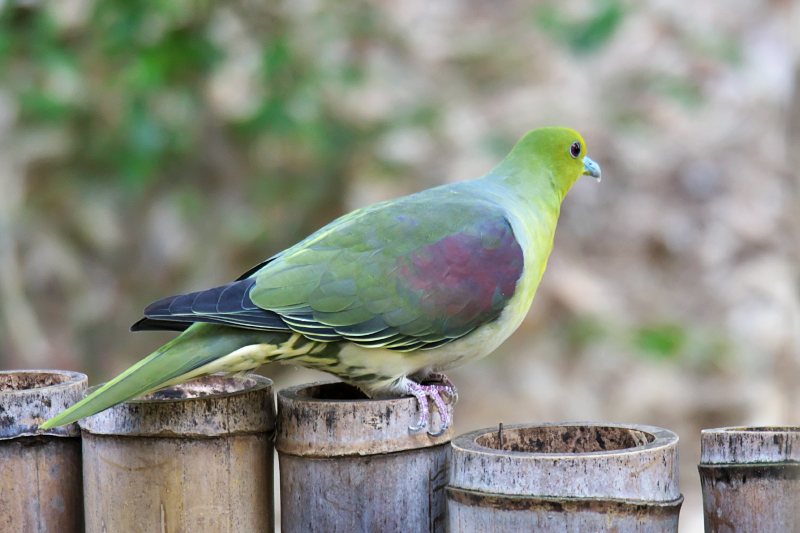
x=332, y=391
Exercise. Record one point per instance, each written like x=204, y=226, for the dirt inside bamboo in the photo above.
x=202, y=387
x=15, y=381
x=565, y=439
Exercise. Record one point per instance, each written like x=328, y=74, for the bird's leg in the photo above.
x=421, y=393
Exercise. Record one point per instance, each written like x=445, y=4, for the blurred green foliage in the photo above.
x=685, y=91
x=663, y=340
x=127, y=89
x=583, y=35
x=582, y=332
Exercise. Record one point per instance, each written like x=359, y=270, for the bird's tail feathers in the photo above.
x=201, y=350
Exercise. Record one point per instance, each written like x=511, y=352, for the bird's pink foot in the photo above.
x=421, y=393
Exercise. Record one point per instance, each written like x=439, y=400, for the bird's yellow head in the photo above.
x=559, y=152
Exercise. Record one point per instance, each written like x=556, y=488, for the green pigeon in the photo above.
x=385, y=298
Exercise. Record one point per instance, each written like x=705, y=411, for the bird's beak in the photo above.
x=590, y=168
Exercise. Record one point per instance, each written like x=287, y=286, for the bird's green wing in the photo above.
x=407, y=274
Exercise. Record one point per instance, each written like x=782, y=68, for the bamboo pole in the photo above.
x=40, y=470
x=751, y=479
x=350, y=464
x=195, y=457
x=565, y=477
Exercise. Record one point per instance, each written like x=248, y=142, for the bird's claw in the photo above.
x=438, y=433
x=416, y=428
x=453, y=392
x=422, y=392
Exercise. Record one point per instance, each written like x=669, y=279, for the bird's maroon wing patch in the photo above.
x=465, y=278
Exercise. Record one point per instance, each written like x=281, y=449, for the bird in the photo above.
x=386, y=298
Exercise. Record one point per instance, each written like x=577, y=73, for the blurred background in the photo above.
x=152, y=147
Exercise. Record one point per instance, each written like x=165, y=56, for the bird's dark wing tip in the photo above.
x=256, y=268
x=150, y=324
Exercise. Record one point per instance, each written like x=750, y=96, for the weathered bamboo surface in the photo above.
x=350, y=464
x=750, y=478
x=40, y=471
x=195, y=457
x=571, y=477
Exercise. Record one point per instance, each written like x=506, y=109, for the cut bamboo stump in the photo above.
x=349, y=464
x=194, y=457
x=565, y=478
x=751, y=479
x=40, y=470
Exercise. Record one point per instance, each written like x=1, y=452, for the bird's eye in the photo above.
x=575, y=149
